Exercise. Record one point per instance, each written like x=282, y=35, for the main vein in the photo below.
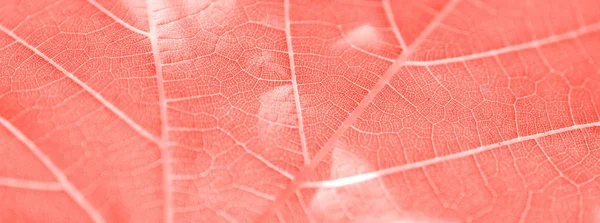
x=164, y=118
x=288, y=38
x=340, y=182
x=306, y=171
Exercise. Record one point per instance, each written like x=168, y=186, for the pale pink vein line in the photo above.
x=258, y=156
x=383, y=81
x=30, y=184
x=116, y=18
x=387, y=7
x=164, y=118
x=573, y=34
x=340, y=182
x=120, y=114
x=288, y=37
x=67, y=186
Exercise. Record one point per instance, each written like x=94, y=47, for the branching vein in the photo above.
x=398, y=169
x=387, y=7
x=120, y=114
x=573, y=34
x=288, y=37
x=163, y=143
x=67, y=186
x=351, y=119
x=116, y=18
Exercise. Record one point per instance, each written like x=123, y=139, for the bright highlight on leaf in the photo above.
x=299, y=111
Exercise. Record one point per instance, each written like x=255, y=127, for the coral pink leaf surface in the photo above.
x=299, y=111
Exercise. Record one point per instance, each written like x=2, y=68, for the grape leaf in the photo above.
x=299, y=111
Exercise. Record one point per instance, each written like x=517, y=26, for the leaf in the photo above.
x=299, y=111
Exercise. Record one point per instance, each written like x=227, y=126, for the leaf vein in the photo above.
x=340, y=182
x=116, y=18
x=67, y=186
x=120, y=114
x=573, y=34
x=288, y=37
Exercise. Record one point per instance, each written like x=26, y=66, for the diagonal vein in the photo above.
x=288, y=37
x=117, y=19
x=67, y=186
x=573, y=34
x=120, y=114
x=340, y=182
x=383, y=81
x=305, y=172
x=164, y=118
x=387, y=7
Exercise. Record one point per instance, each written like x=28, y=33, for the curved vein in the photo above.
x=340, y=182
x=387, y=7
x=117, y=19
x=67, y=186
x=573, y=34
